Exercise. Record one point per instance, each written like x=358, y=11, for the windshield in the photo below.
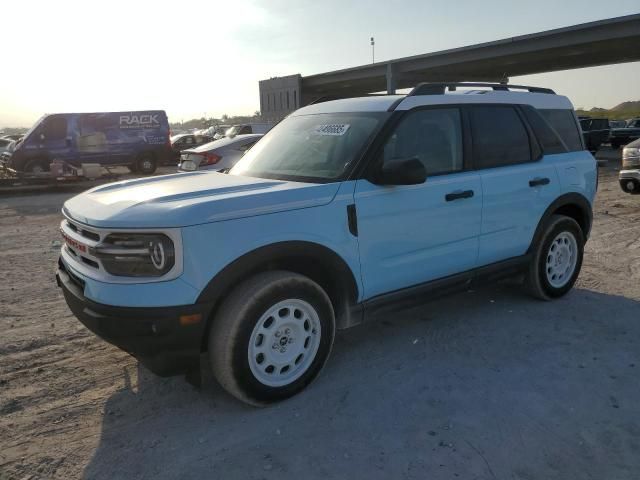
x=30, y=131
x=310, y=147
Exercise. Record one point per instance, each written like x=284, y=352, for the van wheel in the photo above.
x=37, y=166
x=146, y=164
x=557, y=259
x=271, y=337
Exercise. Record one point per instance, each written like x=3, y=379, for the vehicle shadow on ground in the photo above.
x=486, y=384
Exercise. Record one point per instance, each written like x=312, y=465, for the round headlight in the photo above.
x=136, y=254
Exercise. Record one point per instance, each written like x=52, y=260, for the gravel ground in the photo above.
x=488, y=384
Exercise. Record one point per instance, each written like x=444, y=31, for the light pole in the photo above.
x=373, y=50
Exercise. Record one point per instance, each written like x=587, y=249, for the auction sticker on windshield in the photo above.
x=332, y=129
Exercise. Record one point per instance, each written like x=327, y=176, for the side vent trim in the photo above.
x=352, y=219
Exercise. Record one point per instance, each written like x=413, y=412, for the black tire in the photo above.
x=37, y=166
x=615, y=145
x=536, y=281
x=237, y=320
x=146, y=164
x=133, y=168
x=625, y=184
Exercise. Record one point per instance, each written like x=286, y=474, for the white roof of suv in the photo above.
x=382, y=103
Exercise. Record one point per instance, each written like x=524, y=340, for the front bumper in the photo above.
x=166, y=340
x=630, y=177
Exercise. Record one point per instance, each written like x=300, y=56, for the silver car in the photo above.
x=217, y=155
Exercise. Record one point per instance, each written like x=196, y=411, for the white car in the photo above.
x=6, y=145
x=245, y=129
x=217, y=155
x=629, y=176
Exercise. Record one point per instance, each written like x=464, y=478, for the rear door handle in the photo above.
x=449, y=197
x=536, y=182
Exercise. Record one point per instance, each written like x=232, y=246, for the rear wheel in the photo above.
x=557, y=259
x=271, y=337
x=146, y=164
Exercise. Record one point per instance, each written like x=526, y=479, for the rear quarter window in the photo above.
x=564, y=124
x=546, y=136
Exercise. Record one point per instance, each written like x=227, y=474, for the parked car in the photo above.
x=629, y=176
x=247, y=128
x=139, y=140
x=595, y=131
x=13, y=137
x=346, y=210
x=220, y=131
x=5, y=145
x=624, y=136
x=184, y=141
x=218, y=155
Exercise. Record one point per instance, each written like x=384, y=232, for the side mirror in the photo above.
x=402, y=171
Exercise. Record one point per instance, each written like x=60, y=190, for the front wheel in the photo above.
x=37, y=166
x=271, y=337
x=557, y=259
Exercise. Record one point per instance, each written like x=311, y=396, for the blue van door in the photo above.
x=53, y=140
x=412, y=234
x=518, y=184
x=92, y=144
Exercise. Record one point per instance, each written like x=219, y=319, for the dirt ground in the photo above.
x=488, y=384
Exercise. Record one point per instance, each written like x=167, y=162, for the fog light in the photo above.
x=190, y=319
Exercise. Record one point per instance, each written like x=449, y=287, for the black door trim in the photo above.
x=388, y=303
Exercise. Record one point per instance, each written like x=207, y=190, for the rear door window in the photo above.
x=499, y=137
x=565, y=125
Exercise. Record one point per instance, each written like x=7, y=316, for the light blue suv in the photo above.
x=346, y=210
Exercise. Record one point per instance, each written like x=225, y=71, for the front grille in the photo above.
x=84, y=232
x=79, y=243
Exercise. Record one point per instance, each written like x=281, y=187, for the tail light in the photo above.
x=211, y=158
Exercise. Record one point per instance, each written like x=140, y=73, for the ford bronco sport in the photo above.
x=345, y=210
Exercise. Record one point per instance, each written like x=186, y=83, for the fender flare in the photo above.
x=307, y=258
x=572, y=199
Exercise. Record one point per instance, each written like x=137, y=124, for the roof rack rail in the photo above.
x=428, y=88
x=328, y=98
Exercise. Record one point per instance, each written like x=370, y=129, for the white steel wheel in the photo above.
x=284, y=342
x=562, y=258
x=556, y=258
x=271, y=337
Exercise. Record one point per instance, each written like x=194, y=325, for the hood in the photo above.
x=185, y=199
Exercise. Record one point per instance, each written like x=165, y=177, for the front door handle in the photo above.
x=449, y=197
x=536, y=182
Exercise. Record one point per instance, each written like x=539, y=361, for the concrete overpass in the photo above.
x=604, y=42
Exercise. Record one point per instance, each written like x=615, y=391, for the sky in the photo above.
x=194, y=58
